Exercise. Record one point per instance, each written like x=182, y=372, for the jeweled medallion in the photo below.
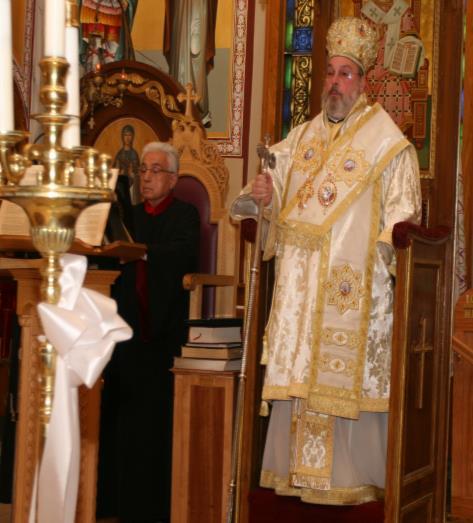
x=309, y=154
x=349, y=165
x=327, y=193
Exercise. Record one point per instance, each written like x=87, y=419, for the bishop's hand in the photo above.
x=262, y=189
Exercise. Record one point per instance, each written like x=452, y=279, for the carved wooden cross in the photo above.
x=190, y=97
x=421, y=349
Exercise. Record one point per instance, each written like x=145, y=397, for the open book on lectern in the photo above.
x=90, y=226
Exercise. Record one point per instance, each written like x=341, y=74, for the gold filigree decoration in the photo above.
x=137, y=84
x=308, y=156
x=340, y=337
x=304, y=13
x=348, y=166
x=305, y=193
x=337, y=365
x=308, y=160
x=302, y=67
x=200, y=158
x=344, y=288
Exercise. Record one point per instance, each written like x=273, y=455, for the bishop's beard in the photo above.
x=338, y=107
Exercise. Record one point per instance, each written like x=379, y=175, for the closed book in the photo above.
x=206, y=364
x=208, y=334
x=218, y=345
x=211, y=353
x=215, y=322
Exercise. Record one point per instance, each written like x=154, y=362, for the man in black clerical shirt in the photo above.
x=136, y=423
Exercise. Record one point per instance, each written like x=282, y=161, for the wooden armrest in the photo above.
x=192, y=280
x=403, y=231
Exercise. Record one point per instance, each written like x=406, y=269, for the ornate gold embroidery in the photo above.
x=308, y=160
x=297, y=238
x=327, y=193
x=302, y=164
x=308, y=157
x=349, y=166
x=312, y=447
x=340, y=337
x=305, y=192
x=336, y=365
x=344, y=288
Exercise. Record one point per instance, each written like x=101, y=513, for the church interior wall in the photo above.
x=147, y=36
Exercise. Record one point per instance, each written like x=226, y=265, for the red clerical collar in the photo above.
x=161, y=207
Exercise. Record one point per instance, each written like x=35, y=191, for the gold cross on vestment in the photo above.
x=421, y=349
x=190, y=97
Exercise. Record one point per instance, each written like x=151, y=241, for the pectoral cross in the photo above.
x=421, y=349
x=190, y=97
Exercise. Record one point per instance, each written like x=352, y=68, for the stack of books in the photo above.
x=213, y=344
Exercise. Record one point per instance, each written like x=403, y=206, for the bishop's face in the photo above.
x=156, y=181
x=343, y=85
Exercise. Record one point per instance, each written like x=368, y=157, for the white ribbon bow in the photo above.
x=83, y=328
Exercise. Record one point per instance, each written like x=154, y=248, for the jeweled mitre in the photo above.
x=355, y=39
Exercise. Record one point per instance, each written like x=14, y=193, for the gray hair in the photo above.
x=171, y=153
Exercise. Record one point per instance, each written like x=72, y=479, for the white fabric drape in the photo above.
x=83, y=329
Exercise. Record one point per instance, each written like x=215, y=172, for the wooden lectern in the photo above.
x=28, y=279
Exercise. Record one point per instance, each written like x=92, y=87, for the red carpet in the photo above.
x=266, y=507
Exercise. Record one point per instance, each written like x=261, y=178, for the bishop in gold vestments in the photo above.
x=340, y=184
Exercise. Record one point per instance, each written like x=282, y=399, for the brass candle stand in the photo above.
x=53, y=203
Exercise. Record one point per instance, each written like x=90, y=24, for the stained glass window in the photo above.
x=297, y=63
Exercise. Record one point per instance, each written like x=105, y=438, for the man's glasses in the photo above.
x=154, y=169
x=344, y=73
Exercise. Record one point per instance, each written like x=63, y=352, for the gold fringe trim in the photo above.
x=333, y=496
x=298, y=238
x=285, y=392
x=374, y=404
x=310, y=482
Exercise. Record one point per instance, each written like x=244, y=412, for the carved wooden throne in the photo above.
x=203, y=181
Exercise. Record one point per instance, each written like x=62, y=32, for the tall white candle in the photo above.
x=6, y=68
x=54, y=27
x=71, y=134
